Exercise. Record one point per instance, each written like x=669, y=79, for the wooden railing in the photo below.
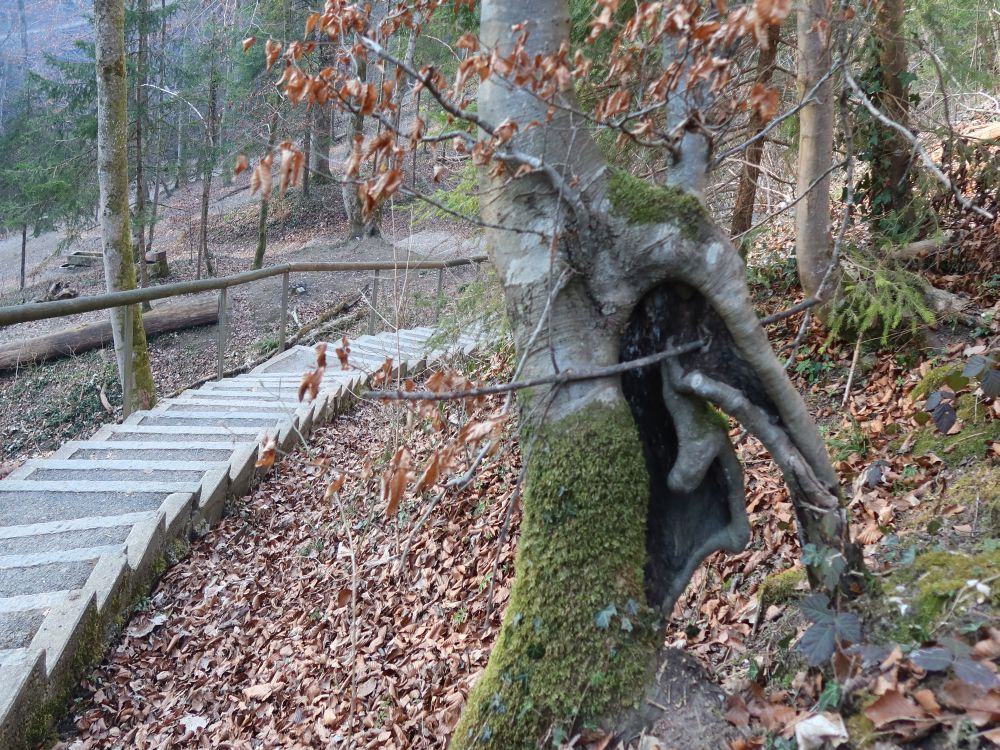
x=61, y=308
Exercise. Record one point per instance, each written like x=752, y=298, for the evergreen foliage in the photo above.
x=878, y=298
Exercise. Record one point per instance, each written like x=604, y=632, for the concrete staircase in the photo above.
x=85, y=533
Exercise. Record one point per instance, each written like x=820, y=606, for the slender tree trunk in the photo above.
x=158, y=150
x=24, y=252
x=813, y=244
x=746, y=194
x=323, y=138
x=208, y=166
x=629, y=482
x=112, y=178
x=358, y=226
x=23, y=29
x=141, y=100
x=258, y=258
x=307, y=150
x=181, y=140
x=892, y=160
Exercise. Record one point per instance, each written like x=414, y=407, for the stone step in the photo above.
x=33, y=502
x=79, y=450
x=233, y=435
x=205, y=419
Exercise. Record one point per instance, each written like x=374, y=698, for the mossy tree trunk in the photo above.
x=112, y=179
x=631, y=482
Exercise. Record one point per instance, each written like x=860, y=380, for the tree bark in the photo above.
x=629, y=482
x=813, y=243
x=358, y=226
x=746, y=193
x=323, y=119
x=112, y=178
x=208, y=167
x=307, y=150
x=23, y=29
x=24, y=252
x=142, y=60
x=892, y=159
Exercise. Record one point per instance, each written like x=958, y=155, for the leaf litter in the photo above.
x=248, y=641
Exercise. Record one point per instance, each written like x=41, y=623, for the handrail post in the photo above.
x=371, y=315
x=439, y=300
x=284, y=312
x=222, y=331
x=127, y=365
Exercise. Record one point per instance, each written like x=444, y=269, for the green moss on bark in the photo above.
x=577, y=640
x=642, y=203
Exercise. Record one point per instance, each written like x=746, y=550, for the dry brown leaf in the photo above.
x=893, y=706
x=267, y=453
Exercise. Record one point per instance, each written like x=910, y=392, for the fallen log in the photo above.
x=87, y=336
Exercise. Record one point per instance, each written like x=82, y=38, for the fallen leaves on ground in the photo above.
x=249, y=639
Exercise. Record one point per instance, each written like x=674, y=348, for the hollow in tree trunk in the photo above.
x=630, y=482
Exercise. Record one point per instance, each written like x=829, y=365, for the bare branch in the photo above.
x=566, y=376
x=917, y=146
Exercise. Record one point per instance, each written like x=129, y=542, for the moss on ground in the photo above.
x=782, y=587
x=934, y=379
x=577, y=640
x=936, y=581
x=971, y=443
x=643, y=203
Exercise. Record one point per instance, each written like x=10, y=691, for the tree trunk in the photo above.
x=630, y=481
x=112, y=178
x=323, y=137
x=158, y=151
x=307, y=150
x=358, y=226
x=265, y=201
x=181, y=140
x=23, y=29
x=893, y=151
x=208, y=166
x=141, y=98
x=813, y=244
x=24, y=251
x=746, y=194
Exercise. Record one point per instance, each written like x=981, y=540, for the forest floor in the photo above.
x=304, y=622
x=43, y=405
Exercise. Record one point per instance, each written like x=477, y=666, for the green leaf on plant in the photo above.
x=975, y=366
x=603, y=618
x=991, y=384
x=956, y=381
x=975, y=673
x=932, y=658
x=944, y=417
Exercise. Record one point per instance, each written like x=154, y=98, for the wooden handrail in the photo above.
x=61, y=308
